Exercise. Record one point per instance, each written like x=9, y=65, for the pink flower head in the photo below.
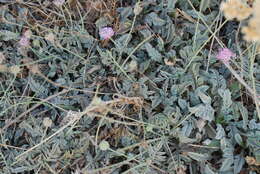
x=106, y=33
x=225, y=55
x=24, y=41
x=59, y=2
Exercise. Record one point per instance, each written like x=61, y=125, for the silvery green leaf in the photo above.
x=198, y=156
x=154, y=19
x=160, y=45
x=204, y=5
x=187, y=128
x=244, y=113
x=201, y=38
x=153, y=53
x=156, y=100
x=87, y=40
x=61, y=81
x=168, y=32
x=196, y=69
x=105, y=57
x=238, y=139
x=186, y=52
x=182, y=103
x=146, y=33
x=102, y=22
x=160, y=120
x=171, y=5
x=125, y=12
x=33, y=131
x=6, y=35
x=144, y=65
x=226, y=164
x=171, y=54
x=37, y=87
x=208, y=170
x=226, y=97
x=254, y=125
x=123, y=41
x=220, y=132
x=21, y=169
x=203, y=111
x=216, y=80
x=168, y=110
x=201, y=93
x=238, y=163
x=184, y=140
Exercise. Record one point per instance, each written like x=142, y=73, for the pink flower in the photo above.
x=59, y=2
x=24, y=41
x=225, y=55
x=106, y=33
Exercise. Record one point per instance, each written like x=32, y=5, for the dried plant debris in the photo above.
x=129, y=87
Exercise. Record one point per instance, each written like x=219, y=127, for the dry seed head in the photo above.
x=50, y=37
x=71, y=117
x=235, y=9
x=3, y=68
x=27, y=34
x=252, y=161
x=47, y=122
x=132, y=66
x=138, y=8
x=2, y=57
x=15, y=69
x=252, y=32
